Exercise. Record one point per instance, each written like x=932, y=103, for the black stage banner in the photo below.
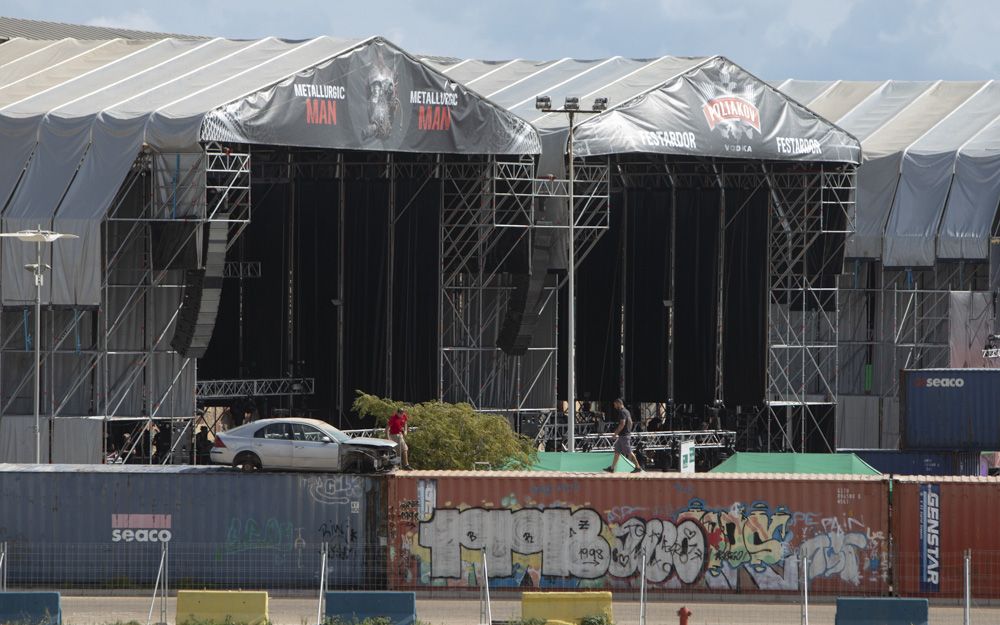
x=720, y=110
x=374, y=97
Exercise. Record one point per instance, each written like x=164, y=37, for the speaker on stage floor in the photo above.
x=202, y=292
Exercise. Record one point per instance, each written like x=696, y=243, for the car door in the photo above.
x=273, y=444
x=311, y=449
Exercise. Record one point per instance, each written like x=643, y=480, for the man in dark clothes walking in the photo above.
x=623, y=442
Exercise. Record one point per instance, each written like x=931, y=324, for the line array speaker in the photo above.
x=202, y=292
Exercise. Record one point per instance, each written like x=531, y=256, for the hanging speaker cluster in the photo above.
x=202, y=293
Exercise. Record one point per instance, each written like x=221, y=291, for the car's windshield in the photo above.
x=334, y=433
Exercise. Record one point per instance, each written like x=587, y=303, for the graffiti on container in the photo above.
x=403, y=524
x=250, y=535
x=341, y=539
x=752, y=544
x=334, y=489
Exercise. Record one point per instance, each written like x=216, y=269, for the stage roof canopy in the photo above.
x=75, y=114
x=670, y=105
x=12, y=27
x=930, y=183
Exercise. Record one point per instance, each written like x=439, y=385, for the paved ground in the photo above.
x=302, y=611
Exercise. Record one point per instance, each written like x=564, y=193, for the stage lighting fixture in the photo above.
x=543, y=103
x=600, y=104
x=572, y=103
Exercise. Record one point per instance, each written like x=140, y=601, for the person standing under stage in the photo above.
x=397, y=433
x=623, y=442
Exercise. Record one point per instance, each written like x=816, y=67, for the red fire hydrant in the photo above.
x=685, y=614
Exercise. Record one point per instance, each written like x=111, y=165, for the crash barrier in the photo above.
x=565, y=608
x=354, y=606
x=222, y=606
x=881, y=611
x=37, y=608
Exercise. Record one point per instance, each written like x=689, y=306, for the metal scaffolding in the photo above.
x=265, y=387
x=810, y=213
x=115, y=361
x=894, y=319
x=489, y=207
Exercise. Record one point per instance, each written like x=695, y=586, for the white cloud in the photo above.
x=705, y=10
x=133, y=20
x=812, y=24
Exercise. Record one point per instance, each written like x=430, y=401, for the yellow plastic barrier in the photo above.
x=564, y=608
x=221, y=606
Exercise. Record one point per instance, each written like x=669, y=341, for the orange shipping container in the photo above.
x=934, y=521
x=712, y=533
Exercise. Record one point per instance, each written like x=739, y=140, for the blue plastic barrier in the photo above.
x=349, y=606
x=882, y=611
x=34, y=608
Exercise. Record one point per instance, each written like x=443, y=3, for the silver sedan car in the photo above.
x=301, y=444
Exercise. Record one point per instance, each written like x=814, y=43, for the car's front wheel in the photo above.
x=247, y=462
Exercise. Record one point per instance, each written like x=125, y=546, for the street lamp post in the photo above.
x=571, y=107
x=37, y=269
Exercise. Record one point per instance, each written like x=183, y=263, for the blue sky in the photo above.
x=806, y=39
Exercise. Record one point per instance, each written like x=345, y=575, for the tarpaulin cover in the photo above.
x=719, y=110
x=672, y=105
x=377, y=98
x=830, y=464
x=75, y=115
x=578, y=462
x=930, y=183
x=970, y=317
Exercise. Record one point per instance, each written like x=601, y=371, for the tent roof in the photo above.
x=930, y=185
x=12, y=27
x=74, y=115
x=659, y=105
x=830, y=464
x=578, y=462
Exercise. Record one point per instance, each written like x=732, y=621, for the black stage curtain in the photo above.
x=308, y=223
x=745, y=297
x=647, y=249
x=598, y=317
x=415, y=291
x=265, y=240
x=694, y=301
x=640, y=229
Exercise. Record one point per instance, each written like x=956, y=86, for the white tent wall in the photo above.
x=49, y=174
x=17, y=438
x=76, y=440
x=858, y=421
x=877, y=180
x=969, y=322
x=927, y=201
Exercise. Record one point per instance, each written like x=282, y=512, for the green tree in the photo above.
x=446, y=436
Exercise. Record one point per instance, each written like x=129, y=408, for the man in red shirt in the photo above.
x=397, y=434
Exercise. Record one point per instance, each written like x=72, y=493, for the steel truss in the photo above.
x=265, y=387
x=810, y=212
x=489, y=207
x=897, y=318
x=115, y=360
x=657, y=441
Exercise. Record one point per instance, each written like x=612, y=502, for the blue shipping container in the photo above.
x=950, y=409
x=895, y=462
x=104, y=525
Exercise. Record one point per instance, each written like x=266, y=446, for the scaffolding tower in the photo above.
x=489, y=208
x=114, y=361
x=810, y=213
x=895, y=319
